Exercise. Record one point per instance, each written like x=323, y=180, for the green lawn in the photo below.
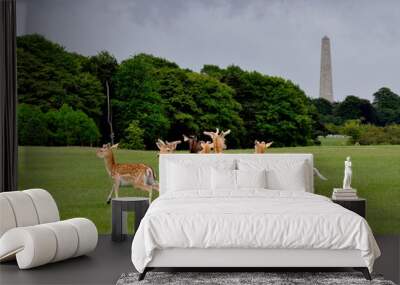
x=79, y=183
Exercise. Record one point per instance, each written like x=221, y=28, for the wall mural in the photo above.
x=73, y=107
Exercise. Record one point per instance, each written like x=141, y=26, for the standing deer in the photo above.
x=138, y=175
x=194, y=144
x=261, y=147
x=218, y=140
x=167, y=147
x=206, y=147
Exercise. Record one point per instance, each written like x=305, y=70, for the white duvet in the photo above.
x=250, y=219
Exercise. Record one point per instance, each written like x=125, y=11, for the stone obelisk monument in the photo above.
x=325, y=84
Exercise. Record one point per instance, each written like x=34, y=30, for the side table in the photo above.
x=358, y=205
x=120, y=207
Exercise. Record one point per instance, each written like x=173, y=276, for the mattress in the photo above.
x=250, y=219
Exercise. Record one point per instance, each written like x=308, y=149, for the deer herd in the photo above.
x=142, y=176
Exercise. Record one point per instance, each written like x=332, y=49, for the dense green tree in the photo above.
x=272, y=108
x=213, y=71
x=180, y=105
x=169, y=101
x=69, y=127
x=166, y=101
x=56, y=127
x=387, y=105
x=104, y=66
x=354, y=108
x=49, y=76
x=216, y=107
x=325, y=110
x=133, y=137
x=318, y=123
x=352, y=129
x=324, y=107
x=137, y=99
x=32, y=126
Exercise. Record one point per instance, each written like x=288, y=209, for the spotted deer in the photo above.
x=194, y=144
x=139, y=175
x=218, y=140
x=206, y=147
x=167, y=147
x=261, y=147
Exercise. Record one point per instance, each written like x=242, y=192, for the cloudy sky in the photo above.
x=273, y=37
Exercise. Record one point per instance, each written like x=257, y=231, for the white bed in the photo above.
x=217, y=224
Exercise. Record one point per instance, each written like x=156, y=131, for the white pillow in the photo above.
x=192, y=177
x=251, y=178
x=285, y=174
x=293, y=179
x=224, y=179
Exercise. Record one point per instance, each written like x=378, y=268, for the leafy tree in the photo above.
x=354, y=108
x=168, y=101
x=180, y=105
x=133, y=137
x=32, y=127
x=69, y=127
x=393, y=134
x=325, y=110
x=103, y=66
x=216, y=107
x=137, y=99
x=318, y=125
x=387, y=105
x=49, y=77
x=368, y=134
x=352, y=129
x=324, y=107
x=371, y=134
x=213, y=71
x=272, y=108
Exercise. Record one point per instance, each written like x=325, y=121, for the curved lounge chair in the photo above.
x=31, y=231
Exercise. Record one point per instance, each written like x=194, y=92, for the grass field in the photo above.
x=79, y=183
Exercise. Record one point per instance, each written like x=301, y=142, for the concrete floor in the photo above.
x=110, y=260
x=103, y=266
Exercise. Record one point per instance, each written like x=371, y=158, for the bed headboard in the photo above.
x=204, y=159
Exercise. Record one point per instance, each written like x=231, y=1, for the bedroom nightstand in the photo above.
x=120, y=207
x=358, y=205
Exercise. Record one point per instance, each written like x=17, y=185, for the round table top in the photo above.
x=130, y=199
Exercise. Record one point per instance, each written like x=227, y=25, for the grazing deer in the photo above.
x=167, y=147
x=138, y=175
x=206, y=147
x=261, y=147
x=194, y=144
x=218, y=140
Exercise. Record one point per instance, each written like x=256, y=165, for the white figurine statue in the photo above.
x=347, y=174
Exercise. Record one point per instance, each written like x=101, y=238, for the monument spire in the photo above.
x=325, y=84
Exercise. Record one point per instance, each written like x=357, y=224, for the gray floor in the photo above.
x=110, y=260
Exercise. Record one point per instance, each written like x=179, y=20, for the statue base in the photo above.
x=351, y=190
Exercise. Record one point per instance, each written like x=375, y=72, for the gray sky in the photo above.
x=280, y=38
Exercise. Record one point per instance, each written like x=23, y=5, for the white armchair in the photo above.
x=32, y=233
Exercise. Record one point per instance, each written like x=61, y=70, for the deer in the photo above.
x=261, y=147
x=206, y=147
x=218, y=140
x=167, y=147
x=194, y=144
x=139, y=175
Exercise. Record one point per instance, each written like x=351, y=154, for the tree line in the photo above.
x=63, y=101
